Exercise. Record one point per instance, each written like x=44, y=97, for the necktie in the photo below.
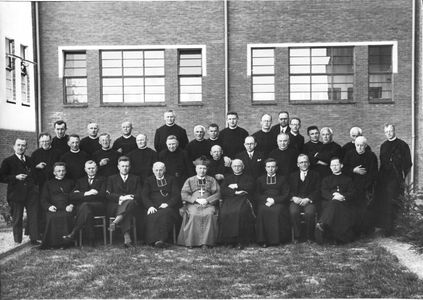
x=90, y=180
x=250, y=155
x=124, y=178
x=302, y=176
x=23, y=158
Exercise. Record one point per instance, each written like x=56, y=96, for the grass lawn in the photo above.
x=358, y=270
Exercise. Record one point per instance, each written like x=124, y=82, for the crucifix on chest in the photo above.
x=202, y=192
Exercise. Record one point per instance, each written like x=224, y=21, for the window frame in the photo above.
x=10, y=70
x=66, y=77
x=182, y=75
x=25, y=80
x=390, y=72
x=264, y=74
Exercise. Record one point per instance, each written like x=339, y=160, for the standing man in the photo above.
x=313, y=145
x=296, y=140
x=75, y=159
x=329, y=150
x=199, y=146
x=162, y=198
x=142, y=159
x=122, y=193
x=285, y=156
x=217, y=167
x=354, y=133
x=90, y=143
x=233, y=136
x=106, y=158
x=282, y=127
x=214, y=138
x=88, y=198
x=395, y=164
x=169, y=128
x=60, y=141
x=266, y=139
x=304, y=192
x=176, y=161
x=126, y=143
x=253, y=161
x=22, y=192
x=236, y=216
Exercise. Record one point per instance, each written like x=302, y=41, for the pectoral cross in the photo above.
x=337, y=188
x=201, y=192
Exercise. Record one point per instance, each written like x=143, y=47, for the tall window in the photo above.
x=380, y=72
x=321, y=74
x=190, y=76
x=10, y=71
x=75, y=77
x=25, y=87
x=133, y=76
x=263, y=74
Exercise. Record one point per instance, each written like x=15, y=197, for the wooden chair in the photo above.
x=96, y=225
x=303, y=222
x=133, y=225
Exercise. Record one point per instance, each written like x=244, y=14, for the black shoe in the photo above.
x=318, y=234
x=160, y=244
x=296, y=241
x=36, y=243
x=240, y=247
x=264, y=245
x=69, y=237
x=230, y=246
x=128, y=245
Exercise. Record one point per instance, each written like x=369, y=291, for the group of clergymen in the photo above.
x=231, y=189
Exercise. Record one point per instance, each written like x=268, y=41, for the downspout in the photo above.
x=413, y=111
x=37, y=41
x=226, y=60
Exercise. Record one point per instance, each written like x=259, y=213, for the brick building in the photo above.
x=331, y=63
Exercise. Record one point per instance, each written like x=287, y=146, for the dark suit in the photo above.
x=116, y=188
x=276, y=129
x=254, y=166
x=21, y=194
x=310, y=189
x=86, y=207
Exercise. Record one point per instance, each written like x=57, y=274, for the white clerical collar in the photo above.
x=271, y=175
x=238, y=174
x=170, y=125
x=47, y=148
x=200, y=140
x=126, y=137
x=233, y=128
x=105, y=149
x=201, y=178
x=294, y=134
x=161, y=178
x=143, y=147
x=265, y=131
x=75, y=151
x=314, y=142
x=213, y=139
x=58, y=178
x=393, y=139
x=337, y=173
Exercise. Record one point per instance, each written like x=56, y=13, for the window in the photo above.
x=10, y=71
x=75, y=78
x=133, y=76
x=263, y=74
x=25, y=87
x=380, y=72
x=190, y=76
x=321, y=74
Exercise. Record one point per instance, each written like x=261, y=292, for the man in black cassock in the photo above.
x=142, y=159
x=273, y=225
x=199, y=146
x=338, y=209
x=266, y=139
x=361, y=165
x=75, y=159
x=162, y=197
x=236, y=216
x=217, y=167
x=354, y=133
x=296, y=140
x=214, y=138
x=253, y=160
x=328, y=150
x=285, y=156
x=169, y=128
x=90, y=143
x=233, y=136
x=176, y=161
x=88, y=198
x=312, y=146
x=395, y=164
x=106, y=158
x=60, y=141
x=126, y=143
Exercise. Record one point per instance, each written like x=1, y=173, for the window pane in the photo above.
x=76, y=99
x=75, y=64
x=133, y=72
x=111, y=63
x=134, y=90
x=133, y=54
x=73, y=90
x=112, y=98
x=154, y=71
x=190, y=71
x=300, y=88
x=190, y=80
x=263, y=96
x=154, y=98
x=320, y=96
x=115, y=90
x=154, y=89
x=264, y=70
x=299, y=69
x=132, y=63
x=263, y=61
x=111, y=55
x=190, y=63
x=263, y=80
x=300, y=79
x=263, y=52
x=299, y=60
x=112, y=72
x=299, y=96
x=112, y=82
x=134, y=98
x=299, y=52
x=263, y=88
x=188, y=89
x=320, y=87
x=154, y=81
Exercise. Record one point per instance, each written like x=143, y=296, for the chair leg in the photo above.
x=135, y=230
x=111, y=232
x=104, y=231
x=80, y=237
x=174, y=233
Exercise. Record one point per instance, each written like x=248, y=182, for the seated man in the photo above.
x=142, y=158
x=162, y=198
x=338, y=215
x=327, y=151
x=236, y=218
x=88, y=196
x=201, y=194
x=106, y=158
x=217, y=167
x=304, y=192
x=55, y=200
x=122, y=194
x=285, y=156
x=199, y=146
x=272, y=192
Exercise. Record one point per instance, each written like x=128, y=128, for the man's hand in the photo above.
x=21, y=177
x=69, y=208
x=304, y=201
x=337, y=196
x=228, y=161
x=91, y=192
x=124, y=198
x=219, y=177
x=270, y=202
x=52, y=208
x=241, y=193
x=151, y=210
x=41, y=165
x=163, y=205
x=201, y=201
x=359, y=170
x=296, y=200
x=120, y=150
x=104, y=162
x=233, y=186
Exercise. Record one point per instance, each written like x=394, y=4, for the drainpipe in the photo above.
x=37, y=42
x=226, y=60
x=413, y=111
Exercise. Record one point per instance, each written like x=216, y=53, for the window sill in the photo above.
x=153, y=104
x=193, y=103
x=26, y=105
x=10, y=101
x=381, y=101
x=264, y=103
x=79, y=105
x=320, y=102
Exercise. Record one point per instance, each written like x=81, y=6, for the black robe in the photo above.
x=126, y=144
x=287, y=161
x=218, y=167
x=61, y=144
x=266, y=141
x=338, y=216
x=164, y=131
x=56, y=192
x=273, y=224
x=160, y=223
x=196, y=149
x=142, y=161
x=111, y=167
x=177, y=165
x=296, y=141
x=75, y=164
x=326, y=153
x=310, y=149
x=236, y=216
x=50, y=157
x=89, y=145
x=233, y=141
